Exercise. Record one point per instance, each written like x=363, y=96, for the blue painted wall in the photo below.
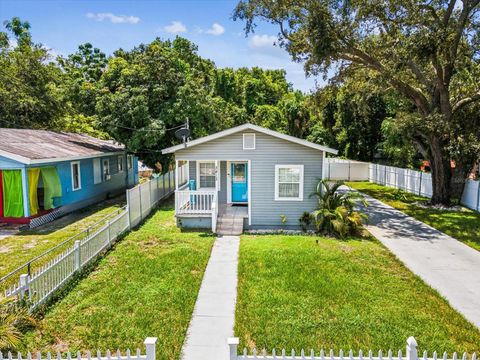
x=117, y=182
x=6, y=164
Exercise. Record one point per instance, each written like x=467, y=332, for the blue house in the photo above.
x=44, y=174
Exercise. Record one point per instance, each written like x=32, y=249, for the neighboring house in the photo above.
x=144, y=170
x=44, y=174
x=248, y=172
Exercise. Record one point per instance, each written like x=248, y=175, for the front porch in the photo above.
x=212, y=189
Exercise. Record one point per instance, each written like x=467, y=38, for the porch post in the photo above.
x=26, y=202
x=217, y=176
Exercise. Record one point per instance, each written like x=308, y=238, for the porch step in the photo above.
x=229, y=225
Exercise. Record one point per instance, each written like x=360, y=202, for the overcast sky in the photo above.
x=62, y=25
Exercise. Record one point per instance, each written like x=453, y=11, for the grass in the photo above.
x=146, y=286
x=293, y=293
x=462, y=225
x=27, y=244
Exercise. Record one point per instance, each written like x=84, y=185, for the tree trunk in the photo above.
x=441, y=174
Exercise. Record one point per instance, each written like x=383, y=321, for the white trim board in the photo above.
x=28, y=161
x=244, y=127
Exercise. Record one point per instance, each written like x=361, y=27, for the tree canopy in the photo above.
x=428, y=51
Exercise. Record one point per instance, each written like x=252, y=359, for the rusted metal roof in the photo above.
x=36, y=145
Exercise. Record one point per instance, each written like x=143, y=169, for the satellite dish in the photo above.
x=182, y=133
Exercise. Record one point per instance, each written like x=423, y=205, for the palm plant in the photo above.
x=14, y=320
x=336, y=214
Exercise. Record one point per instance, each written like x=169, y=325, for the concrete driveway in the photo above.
x=444, y=263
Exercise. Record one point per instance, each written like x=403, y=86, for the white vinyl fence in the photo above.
x=410, y=354
x=416, y=182
x=118, y=355
x=38, y=286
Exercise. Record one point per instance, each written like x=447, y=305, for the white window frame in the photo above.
x=277, y=185
x=254, y=141
x=72, y=164
x=120, y=164
x=129, y=162
x=216, y=187
x=97, y=171
x=104, y=175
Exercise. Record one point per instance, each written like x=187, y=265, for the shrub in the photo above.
x=14, y=321
x=336, y=214
x=305, y=220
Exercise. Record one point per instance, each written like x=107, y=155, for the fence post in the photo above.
x=140, y=201
x=24, y=280
x=420, y=187
x=385, y=179
x=108, y=232
x=411, y=348
x=150, y=190
x=78, y=262
x=150, y=347
x=478, y=195
x=349, y=170
x=129, y=219
x=233, y=345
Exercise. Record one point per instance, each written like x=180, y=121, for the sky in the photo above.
x=62, y=25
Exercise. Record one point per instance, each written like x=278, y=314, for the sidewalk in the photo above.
x=447, y=265
x=214, y=314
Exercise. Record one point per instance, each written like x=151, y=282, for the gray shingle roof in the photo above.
x=51, y=145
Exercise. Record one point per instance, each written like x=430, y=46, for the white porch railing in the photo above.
x=191, y=202
x=197, y=202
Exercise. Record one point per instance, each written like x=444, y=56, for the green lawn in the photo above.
x=25, y=245
x=463, y=225
x=294, y=293
x=146, y=286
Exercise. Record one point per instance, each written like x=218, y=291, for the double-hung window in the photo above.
x=106, y=169
x=76, y=176
x=206, y=174
x=120, y=163
x=289, y=182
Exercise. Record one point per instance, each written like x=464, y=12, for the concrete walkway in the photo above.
x=444, y=263
x=214, y=314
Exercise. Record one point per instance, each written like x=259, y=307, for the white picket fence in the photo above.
x=118, y=355
x=38, y=286
x=143, y=198
x=416, y=182
x=410, y=354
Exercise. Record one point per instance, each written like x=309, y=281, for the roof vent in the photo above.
x=248, y=141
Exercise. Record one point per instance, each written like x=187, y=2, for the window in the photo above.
x=76, y=177
x=106, y=169
x=206, y=174
x=97, y=171
x=120, y=163
x=248, y=141
x=289, y=182
x=130, y=161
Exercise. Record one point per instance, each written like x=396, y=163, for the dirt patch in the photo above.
x=30, y=245
x=4, y=249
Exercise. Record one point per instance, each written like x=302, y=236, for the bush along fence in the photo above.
x=411, y=354
x=416, y=182
x=36, y=287
x=127, y=355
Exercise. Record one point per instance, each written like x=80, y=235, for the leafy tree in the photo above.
x=29, y=93
x=428, y=51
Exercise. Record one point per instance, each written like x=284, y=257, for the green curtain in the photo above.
x=12, y=193
x=51, y=185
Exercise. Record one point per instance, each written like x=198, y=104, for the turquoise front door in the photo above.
x=239, y=182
